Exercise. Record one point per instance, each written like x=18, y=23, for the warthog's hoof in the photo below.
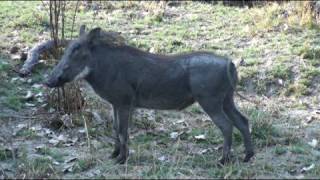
x=114, y=154
x=248, y=156
x=121, y=159
x=224, y=160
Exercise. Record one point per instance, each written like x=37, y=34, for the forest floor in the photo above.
x=278, y=62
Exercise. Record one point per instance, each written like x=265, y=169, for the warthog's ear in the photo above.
x=82, y=30
x=94, y=35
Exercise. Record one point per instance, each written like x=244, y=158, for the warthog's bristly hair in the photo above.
x=110, y=38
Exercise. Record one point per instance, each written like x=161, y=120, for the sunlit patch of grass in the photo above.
x=267, y=17
x=297, y=89
x=280, y=70
x=263, y=132
x=303, y=85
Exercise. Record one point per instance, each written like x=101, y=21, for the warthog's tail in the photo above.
x=233, y=79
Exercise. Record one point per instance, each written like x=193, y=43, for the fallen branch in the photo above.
x=34, y=53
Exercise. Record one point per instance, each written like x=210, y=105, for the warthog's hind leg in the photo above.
x=213, y=107
x=241, y=123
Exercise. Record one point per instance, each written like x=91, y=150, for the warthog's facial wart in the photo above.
x=82, y=74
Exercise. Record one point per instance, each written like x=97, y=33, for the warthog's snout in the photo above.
x=53, y=82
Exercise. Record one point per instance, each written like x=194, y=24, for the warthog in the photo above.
x=130, y=78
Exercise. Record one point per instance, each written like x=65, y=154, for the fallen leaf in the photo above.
x=71, y=142
x=72, y=159
x=68, y=168
x=29, y=96
x=15, y=57
x=162, y=158
x=30, y=104
x=40, y=94
x=310, y=119
x=54, y=142
x=217, y=148
x=180, y=121
x=313, y=143
x=305, y=169
x=131, y=151
x=82, y=131
x=152, y=50
x=174, y=135
x=36, y=128
x=200, y=137
x=203, y=151
x=37, y=86
x=20, y=126
x=14, y=79
x=280, y=82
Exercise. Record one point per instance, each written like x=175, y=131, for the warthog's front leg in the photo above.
x=123, y=117
x=115, y=133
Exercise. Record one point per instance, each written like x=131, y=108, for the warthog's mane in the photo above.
x=110, y=38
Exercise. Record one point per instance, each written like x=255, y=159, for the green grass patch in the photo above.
x=54, y=153
x=27, y=133
x=279, y=150
x=280, y=70
x=297, y=149
x=13, y=101
x=84, y=164
x=6, y=154
x=263, y=132
x=38, y=167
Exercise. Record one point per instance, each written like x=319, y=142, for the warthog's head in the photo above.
x=75, y=62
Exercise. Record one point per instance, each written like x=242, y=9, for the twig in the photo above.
x=74, y=17
x=87, y=132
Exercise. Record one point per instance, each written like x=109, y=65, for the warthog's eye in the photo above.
x=66, y=67
x=76, y=47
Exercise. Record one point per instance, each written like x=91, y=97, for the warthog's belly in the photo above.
x=165, y=102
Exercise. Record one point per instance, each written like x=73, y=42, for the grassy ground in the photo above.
x=277, y=55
